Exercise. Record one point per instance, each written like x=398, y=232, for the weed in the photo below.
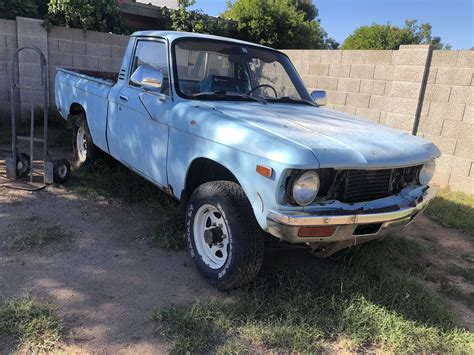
x=38, y=238
x=368, y=300
x=169, y=232
x=32, y=323
x=453, y=209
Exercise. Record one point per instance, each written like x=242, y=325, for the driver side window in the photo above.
x=274, y=75
x=154, y=54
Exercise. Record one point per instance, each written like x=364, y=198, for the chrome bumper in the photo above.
x=285, y=225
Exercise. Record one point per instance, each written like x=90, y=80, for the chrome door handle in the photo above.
x=124, y=98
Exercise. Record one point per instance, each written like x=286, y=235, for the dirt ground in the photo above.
x=104, y=278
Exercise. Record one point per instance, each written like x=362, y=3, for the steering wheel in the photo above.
x=263, y=86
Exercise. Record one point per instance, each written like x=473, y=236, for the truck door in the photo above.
x=138, y=130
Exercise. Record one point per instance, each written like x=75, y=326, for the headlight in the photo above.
x=305, y=188
x=426, y=173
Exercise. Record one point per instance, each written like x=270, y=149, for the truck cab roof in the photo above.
x=174, y=35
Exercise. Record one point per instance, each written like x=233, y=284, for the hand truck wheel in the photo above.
x=22, y=165
x=61, y=171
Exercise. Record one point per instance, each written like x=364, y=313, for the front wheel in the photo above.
x=223, y=237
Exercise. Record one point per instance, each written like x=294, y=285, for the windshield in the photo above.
x=220, y=70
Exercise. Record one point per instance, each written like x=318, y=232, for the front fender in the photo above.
x=261, y=191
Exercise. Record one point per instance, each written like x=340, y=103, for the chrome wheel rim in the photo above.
x=211, y=236
x=81, y=144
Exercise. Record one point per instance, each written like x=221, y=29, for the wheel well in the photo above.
x=203, y=170
x=74, y=111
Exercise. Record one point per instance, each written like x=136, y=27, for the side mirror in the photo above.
x=149, y=78
x=319, y=97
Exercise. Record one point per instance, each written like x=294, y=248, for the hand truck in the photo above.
x=20, y=165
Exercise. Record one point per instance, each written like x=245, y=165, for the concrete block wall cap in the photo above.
x=378, y=57
x=444, y=58
x=331, y=56
x=354, y=56
x=414, y=46
x=465, y=59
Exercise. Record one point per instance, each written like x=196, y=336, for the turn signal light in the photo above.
x=306, y=232
x=264, y=170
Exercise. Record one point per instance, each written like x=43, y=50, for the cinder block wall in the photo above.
x=448, y=117
x=383, y=86
x=78, y=49
x=386, y=87
x=62, y=47
x=8, y=45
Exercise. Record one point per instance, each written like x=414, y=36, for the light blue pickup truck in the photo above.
x=229, y=129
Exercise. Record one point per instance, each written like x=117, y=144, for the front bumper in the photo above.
x=363, y=224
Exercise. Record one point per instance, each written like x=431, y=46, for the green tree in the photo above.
x=187, y=20
x=278, y=23
x=391, y=37
x=94, y=15
x=9, y=9
x=307, y=7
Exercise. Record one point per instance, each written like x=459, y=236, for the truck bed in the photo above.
x=109, y=77
x=89, y=90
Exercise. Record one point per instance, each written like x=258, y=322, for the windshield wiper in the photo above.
x=290, y=100
x=225, y=94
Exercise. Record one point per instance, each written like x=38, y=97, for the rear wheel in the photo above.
x=224, y=239
x=84, y=150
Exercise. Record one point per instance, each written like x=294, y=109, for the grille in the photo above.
x=366, y=185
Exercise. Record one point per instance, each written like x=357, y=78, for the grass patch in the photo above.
x=368, y=300
x=108, y=178
x=38, y=238
x=169, y=232
x=31, y=323
x=453, y=209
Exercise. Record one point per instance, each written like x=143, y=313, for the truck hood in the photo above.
x=337, y=140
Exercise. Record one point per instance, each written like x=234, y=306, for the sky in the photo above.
x=452, y=20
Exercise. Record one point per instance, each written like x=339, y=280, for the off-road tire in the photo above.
x=80, y=125
x=246, y=241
